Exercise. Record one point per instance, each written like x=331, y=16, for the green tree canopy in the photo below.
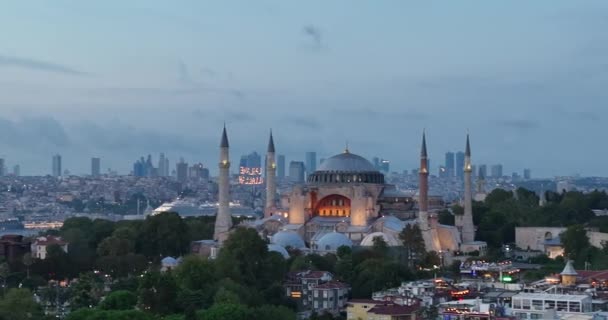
x=19, y=304
x=119, y=300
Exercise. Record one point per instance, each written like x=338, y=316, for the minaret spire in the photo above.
x=271, y=184
x=465, y=222
x=423, y=150
x=224, y=142
x=223, y=220
x=423, y=185
x=270, y=143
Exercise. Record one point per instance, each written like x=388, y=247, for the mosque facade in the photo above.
x=346, y=202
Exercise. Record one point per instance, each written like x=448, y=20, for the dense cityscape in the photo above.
x=318, y=160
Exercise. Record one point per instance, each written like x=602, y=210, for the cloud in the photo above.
x=39, y=65
x=33, y=132
x=522, y=124
x=183, y=74
x=369, y=113
x=306, y=122
x=315, y=35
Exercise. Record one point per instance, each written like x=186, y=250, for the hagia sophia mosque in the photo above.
x=346, y=202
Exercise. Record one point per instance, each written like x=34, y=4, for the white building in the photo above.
x=40, y=245
x=538, y=305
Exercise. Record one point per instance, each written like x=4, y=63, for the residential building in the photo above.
x=13, y=247
x=41, y=244
x=527, y=305
x=316, y=291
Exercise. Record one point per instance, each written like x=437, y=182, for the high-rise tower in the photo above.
x=223, y=220
x=271, y=183
x=465, y=222
x=423, y=185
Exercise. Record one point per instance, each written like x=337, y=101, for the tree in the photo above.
x=413, y=242
x=273, y=312
x=86, y=292
x=98, y=314
x=27, y=262
x=226, y=312
x=4, y=272
x=165, y=234
x=242, y=259
x=575, y=241
x=119, y=300
x=380, y=245
x=158, y=292
x=19, y=304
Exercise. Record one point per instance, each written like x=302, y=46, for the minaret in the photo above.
x=271, y=183
x=423, y=185
x=466, y=221
x=223, y=220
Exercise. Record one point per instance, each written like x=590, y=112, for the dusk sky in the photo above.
x=121, y=79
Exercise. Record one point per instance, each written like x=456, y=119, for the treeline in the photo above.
x=244, y=282
x=502, y=211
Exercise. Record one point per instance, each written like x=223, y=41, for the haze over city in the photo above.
x=118, y=80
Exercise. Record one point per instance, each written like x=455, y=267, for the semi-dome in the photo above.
x=368, y=241
x=346, y=168
x=279, y=249
x=288, y=239
x=332, y=241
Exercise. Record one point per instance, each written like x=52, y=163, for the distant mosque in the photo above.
x=346, y=202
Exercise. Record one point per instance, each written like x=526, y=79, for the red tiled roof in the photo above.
x=331, y=285
x=49, y=240
x=370, y=301
x=394, y=309
x=596, y=274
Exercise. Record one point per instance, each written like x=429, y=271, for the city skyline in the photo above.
x=514, y=86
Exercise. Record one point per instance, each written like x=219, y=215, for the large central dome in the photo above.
x=348, y=162
x=346, y=168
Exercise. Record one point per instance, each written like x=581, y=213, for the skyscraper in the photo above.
x=166, y=173
x=16, y=170
x=449, y=164
x=483, y=171
x=2, y=168
x=496, y=171
x=459, y=164
x=182, y=171
x=95, y=167
x=296, y=171
x=281, y=167
x=527, y=174
x=161, y=165
x=57, y=165
x=311, y=162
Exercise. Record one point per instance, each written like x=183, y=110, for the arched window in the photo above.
x=548, y=236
